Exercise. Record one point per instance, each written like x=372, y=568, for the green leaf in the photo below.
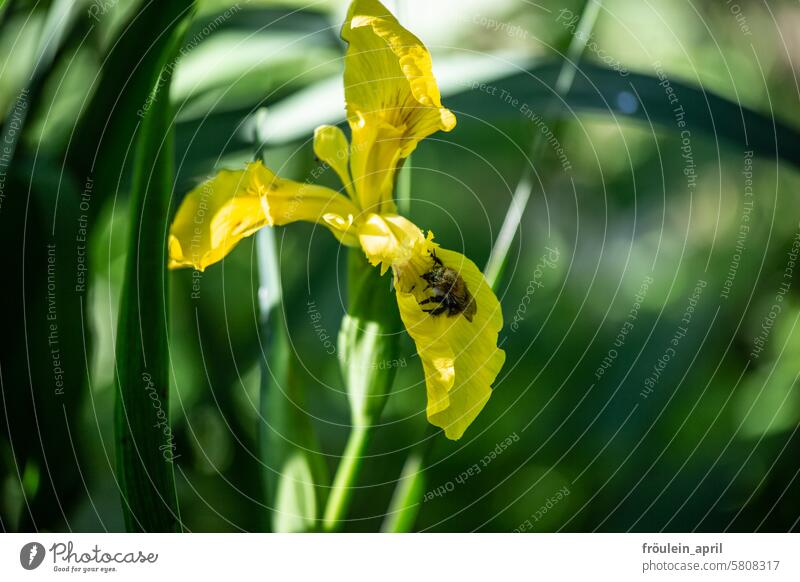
x=410, y=489
x=642, y=98
x=145, y=445
x=56, y=27
x=108, y=123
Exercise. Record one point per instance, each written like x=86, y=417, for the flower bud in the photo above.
x=367, y=340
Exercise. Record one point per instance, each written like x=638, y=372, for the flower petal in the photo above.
x=392, y=97
x=232, y=205
x=460, y=358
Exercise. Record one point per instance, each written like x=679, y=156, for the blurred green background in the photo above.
x=632, y=400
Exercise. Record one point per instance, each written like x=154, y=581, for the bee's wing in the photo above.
x=471, y=305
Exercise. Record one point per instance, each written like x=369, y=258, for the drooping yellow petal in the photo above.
x=392, y=97
x=331, y=146
x=460, y=357
x=232, y=205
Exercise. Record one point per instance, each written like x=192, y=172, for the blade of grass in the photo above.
x=522, y=192
x=109, y=120
x=597, y=89
x=145, y=446
x=404, y=506
x=6, y=8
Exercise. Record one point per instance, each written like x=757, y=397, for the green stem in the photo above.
x=367, y=338
x=269, y=302
x=404, y=188
x=346, y=475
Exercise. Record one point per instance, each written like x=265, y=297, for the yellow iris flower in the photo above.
x=393, y=102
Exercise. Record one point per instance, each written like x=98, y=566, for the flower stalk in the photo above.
x=346, y=476
x=368, y=338
x=273, y=359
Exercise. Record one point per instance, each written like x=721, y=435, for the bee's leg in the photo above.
x=436, y=310
x=431, y=300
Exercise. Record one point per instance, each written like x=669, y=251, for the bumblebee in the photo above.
x=449, y=292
